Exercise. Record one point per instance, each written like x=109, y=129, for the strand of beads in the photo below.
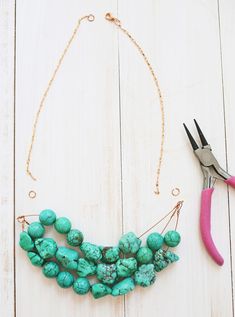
x=118, y=269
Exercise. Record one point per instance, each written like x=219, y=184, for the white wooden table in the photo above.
x=98, y=142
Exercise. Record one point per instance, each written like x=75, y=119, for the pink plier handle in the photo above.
x=205, y=222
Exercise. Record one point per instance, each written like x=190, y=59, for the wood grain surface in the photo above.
x=98, y=140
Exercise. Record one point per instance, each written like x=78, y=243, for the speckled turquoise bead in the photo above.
x=106, y=273
x=145, y=276
x=26, y=242
x=110, y=254
x=129, y=243
x=155, y=241
x=74, y=237
x=91, y=251
x=160, y=261
x=172, y=238
x=46, y=247
x=144, y=255
x=126, y=267
x=100, y=290
x=81, y=286
x=62, y=225
x=125, y=286
x=35, y=259
x=36, y=230
x=51, y=269
x=67, y=257
x=65, y=279
x=47, y=217
x=85, y=267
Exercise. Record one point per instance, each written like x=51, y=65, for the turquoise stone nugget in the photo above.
x=117, y=270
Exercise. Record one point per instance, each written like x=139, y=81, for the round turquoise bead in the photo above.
x=129, y=243
x=36, y=230
x=172, y=238
x=51, y=269
x=47, y=217
x=62, y=225
x=81, y=286
x=65, y=279
x=155, y=241
x=74, y=237
x=144, y=255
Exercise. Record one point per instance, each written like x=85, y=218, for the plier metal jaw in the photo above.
x=211, y=172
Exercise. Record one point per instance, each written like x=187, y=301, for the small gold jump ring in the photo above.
x=91, y=17
x=175, y=191
x=32, y=194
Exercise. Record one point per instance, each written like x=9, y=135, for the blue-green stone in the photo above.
x=65, y=279
x=106, y=273
x=144, y=255
x=51, y=269
x=91, y=251
x=100, y=290
x=110, y=254
x=171, y=257
x=36, y=230
x=155, y=241
x=160, y=262
x=81, y=286
x=172, y=238
x=145, y=276
x=85, y=268
x=46, y=247
x=67, y=257
x=129, y=243
x=35, y=259
x=74, y=237
x=126, y=267
x=26, y=241
x=123, y=287
x=47, y=217
x=62, y=225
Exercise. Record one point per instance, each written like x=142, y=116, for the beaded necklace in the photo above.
x=117, y=269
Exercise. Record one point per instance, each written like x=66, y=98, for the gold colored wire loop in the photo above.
x=171, y=213
x=117, y=22
x=32, y=194
x=175, y=191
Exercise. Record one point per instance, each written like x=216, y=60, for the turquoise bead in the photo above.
x=85, y=268
x=46, y=247
x=171, y=257
x=47, y=217
x=91, y=251
x=144, y=255
x=125, y=286
x=51, y=269
x=145, y=276
x=99, y=290
x=129, y=243
x=36, y=230
x=81, y=286
x=106, y=273
x=155, y=241
x=26, y=242
x=67, y=257
x=74, y=237
x=110, y=254
x=62, y=225
x=126, y=267
x=160, y=262
x=65, y=279
x=35, y=259
x=172, y=238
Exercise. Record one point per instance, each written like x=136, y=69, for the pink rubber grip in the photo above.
x=230, y=181
x=205, y=225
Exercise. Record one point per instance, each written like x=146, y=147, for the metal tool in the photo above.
x=211, y=172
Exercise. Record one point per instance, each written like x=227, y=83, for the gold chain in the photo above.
x=117, y=22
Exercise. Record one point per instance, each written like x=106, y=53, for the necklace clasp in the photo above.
x=111, y=18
